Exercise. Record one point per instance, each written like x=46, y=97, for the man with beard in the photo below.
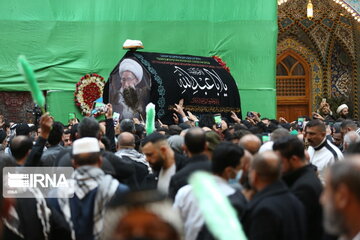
x=337, y=135
x=343, y=111
x=163, y=161
x=302, y=181
x=274, y=213
x=324, y=113
x=129, y=95
x=321, y=151
x=341, y=199
x=347, y=126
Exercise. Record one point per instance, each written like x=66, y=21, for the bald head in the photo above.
x=351, y=137
x=251, y=143
x=195, y=140
x=267, y=166
x=126, y=140
x=20, y=146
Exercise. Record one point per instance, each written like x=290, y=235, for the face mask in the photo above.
x=237, y=178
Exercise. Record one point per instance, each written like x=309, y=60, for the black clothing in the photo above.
x=197, y=162
x=150, y=181
x=65, y=159
x=141, y=169
x=110, y=133
x=306, y=186
x=48, y=157
x=36, y=152
x=238, y=201
x=275, y=214
x=31, y=226
x=122, y=170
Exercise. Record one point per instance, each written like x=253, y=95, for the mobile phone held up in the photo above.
x=116, y=117
x=300, y=122
x=217, y=118
x=250, y=114
x=99, y=107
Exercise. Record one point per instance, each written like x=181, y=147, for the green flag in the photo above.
x=30, y=78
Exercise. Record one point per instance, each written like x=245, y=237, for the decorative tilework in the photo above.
x=286, y=22
x=341, y=70
x=330, y=19
x=352, y=4
x=345, y=20
x=307, y=23
x=316, y=73
x=281, y=14
x=328, y=22
x=298, y=15
x=346, y=36
x=321, y=37
x=333, y=14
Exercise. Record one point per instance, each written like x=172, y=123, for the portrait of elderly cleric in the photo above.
x=129, y=91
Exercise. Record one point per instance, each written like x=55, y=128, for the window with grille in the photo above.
x=290, y=78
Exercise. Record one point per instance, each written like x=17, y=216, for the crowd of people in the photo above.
x=285, y=180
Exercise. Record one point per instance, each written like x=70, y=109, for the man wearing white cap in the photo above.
x=132, y=94
x=92, y=190
x=343, y=111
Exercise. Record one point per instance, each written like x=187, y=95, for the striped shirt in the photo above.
x=323, y=156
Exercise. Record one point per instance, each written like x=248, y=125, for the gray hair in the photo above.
x=351, y=137
x=346, y=172
x=279, y=133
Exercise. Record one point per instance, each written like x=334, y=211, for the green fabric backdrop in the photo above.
x=63, y=40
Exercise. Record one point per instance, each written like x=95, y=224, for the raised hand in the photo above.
x=192, y=117
x=235, y=117
x=109, y=112
x=46, y=122
x=179, y=108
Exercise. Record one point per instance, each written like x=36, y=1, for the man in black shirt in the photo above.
x=302, y=181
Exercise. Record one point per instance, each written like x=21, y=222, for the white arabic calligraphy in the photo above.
x=186, y=81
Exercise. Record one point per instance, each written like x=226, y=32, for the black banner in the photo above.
x=202, y=82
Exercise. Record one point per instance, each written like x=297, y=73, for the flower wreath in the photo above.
x=222, y=63
x=88, y=89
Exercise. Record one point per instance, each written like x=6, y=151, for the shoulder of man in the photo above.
x=181, y=161
x=337, y=154
x=238, y=201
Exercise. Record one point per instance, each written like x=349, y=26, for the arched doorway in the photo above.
x=292, y=86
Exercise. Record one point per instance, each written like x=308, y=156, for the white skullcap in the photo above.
x=130, y=65
x=132, y=44
x=341, y=107
x=86, y=145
